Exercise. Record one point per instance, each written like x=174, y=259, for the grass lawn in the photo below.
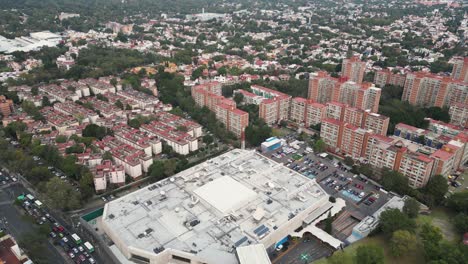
x=440, y=217
x=414, y=257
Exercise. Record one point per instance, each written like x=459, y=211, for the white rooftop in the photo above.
x=225, y=194
x=236, y=199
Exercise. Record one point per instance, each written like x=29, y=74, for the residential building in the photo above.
x=275, y=107
x=384, y=77
x=212, y=87
x=353, y=141
x=80, y=113
x=315, y=113
x=6, y=106
x=331, y=132
x=353, y=69
x=459, y=114
x=134, y=161
x=383, y=152
x=249, y=98
x=425, y=89
x=460, y=69
x=151, y=145
x=324, y=89
x=443, y=162
x=354, y=116
x=336, y=110
x=417, y=167
x=107, y=173
x=180, y=141
x=11, y=253
x=376, y=122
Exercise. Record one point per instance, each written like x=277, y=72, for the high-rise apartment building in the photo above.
x=459, y=114
x=384, y=77
x=425, y=89
x=460, y=69
x=275, y=107
x=353, y=69
x=376, y=122
x=6, y=106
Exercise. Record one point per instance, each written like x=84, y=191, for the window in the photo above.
x=140, y=259
x=181, y=259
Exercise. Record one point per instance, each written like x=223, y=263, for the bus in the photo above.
x=89, y=247
x=76, y=238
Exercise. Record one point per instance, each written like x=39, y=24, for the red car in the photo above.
x=60, y=228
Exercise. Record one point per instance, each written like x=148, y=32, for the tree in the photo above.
x=61, y=195
x=459, y=201
x=107, y=156
x=86, y=185
x=437, y=187
x=113, y=82
x=348, y=161
x=95, y=131
x=156, y=170
x=340, y=257
x=393, y=219
x=411, y=207
x=34, y=91
x=394, y=181
x=369, y=254
x=61, y=139
x=461, y=223
x=119, y=104
x=320, y=146
x=208, y=139
x=402, y=242
x=238, y=97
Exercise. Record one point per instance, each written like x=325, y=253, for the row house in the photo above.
x=193, y=128
x=107, y=173
x=142, y=100
x=115, y=98
x=180, y=141
x=104, y=108
x=88, y=158
x=82, y=114
x=98, y=87
x=58, y=93
x=58, y=120
x=81, y=90
x=134, y=161
x=151, y=145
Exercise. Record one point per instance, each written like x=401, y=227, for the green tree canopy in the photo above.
x=402, y=242
x=411, y=207
x=369, y=254
x=392, y=220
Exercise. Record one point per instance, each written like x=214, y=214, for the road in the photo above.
x=17, y=225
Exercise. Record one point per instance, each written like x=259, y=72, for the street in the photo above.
x=17, y=225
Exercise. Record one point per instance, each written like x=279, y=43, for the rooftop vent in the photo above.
x=135, y=202
x=111, y=216
x=158, y=250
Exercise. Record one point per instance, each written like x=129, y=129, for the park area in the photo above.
x=439, y=217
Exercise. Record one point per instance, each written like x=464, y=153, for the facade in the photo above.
x=331, y=132
x=275, y=107
x=6, y=106
x=376, y=122
x=203, y=214
x=249, y=98
x=324, y=89
x=209, y=95
x=425, y=89
x=355, y=139
x=384, y=77
x=460, y=69
x=459, y=114
x=336, y=110
x=353, y=69
x=417, y=167
x=354, y=116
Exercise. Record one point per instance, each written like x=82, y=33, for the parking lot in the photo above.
x=362, y=197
